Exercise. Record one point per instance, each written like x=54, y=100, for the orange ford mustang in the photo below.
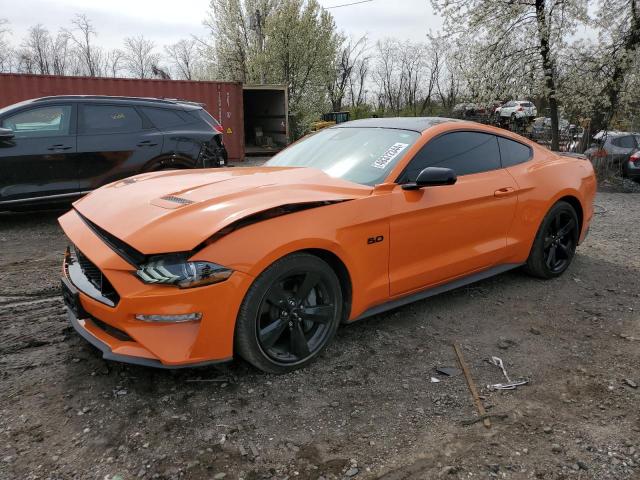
x=185, y=268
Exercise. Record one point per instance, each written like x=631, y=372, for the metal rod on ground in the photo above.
x=472, y=387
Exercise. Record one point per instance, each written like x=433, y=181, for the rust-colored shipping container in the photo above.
x=224, y=100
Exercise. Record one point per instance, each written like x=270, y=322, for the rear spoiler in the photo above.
x=572, y=154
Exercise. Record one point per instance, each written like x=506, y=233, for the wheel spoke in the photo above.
x=277, y=296
x=567, y=228
x=556, y=224
x=318, y=313
x=299, y=345
x=272, y=333
x=310, y=280
x=551, y=257
x=564, y=249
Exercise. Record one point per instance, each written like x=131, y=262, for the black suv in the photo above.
x=56, y=149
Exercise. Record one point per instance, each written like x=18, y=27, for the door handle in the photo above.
x=147, y=143
x=59, y=147
x=504, y=192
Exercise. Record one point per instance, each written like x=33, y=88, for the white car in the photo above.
x=517, y=109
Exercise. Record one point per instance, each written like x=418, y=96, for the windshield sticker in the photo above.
x=389, y=155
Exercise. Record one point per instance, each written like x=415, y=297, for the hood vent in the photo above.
x=180, y=200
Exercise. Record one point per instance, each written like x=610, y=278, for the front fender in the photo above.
x=342, y=229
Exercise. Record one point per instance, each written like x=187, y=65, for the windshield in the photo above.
x=359, y=155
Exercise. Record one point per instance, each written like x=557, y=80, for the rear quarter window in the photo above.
x=162, y=117
x=624, y=142
x=202, y=114
x=513, y=153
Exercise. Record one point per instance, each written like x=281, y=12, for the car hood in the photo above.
x=175, y=211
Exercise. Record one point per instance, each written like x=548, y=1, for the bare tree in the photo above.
x=61, y=54
x=448, y=84
x=6, y=52
x=81, y=36
x=35, y=53
x=413, y=66
x=433, y=65
x=400, y=73
x=184, y=57
x=389, y=75
x=358, y=80
x=349, y=56
x=114, y=62
x=139, y=56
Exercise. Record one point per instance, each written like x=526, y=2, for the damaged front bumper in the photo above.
x=89, y=327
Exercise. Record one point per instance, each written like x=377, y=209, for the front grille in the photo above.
x=95, y=276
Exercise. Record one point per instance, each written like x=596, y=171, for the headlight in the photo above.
x=176, y=270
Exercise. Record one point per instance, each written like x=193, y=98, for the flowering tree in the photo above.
x=530, y=32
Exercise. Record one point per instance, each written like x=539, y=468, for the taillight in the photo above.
x=521, y=109
x=218, y=128
x=635, y=159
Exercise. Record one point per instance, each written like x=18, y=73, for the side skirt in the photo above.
x=60, y=196
x=430, y=292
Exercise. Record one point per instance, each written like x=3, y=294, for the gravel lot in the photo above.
x=367, y=408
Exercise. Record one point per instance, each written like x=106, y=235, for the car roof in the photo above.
x=416, y=124
x=144, y=101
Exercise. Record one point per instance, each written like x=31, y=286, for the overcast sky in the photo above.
x=166, y=21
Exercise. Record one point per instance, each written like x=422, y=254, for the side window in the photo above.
x=163, y=117
x=513, y=153
x=109, y=119
x=464, y=152
x=40, y=122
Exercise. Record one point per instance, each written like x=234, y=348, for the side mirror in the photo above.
x=6, y=134
x=432, y=177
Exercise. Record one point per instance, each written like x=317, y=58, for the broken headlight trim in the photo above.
x=176, y=270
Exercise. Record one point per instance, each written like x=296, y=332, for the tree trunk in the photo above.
x=549, y=72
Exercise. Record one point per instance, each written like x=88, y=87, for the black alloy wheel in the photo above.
x=295, y=316
x=555, y=244
x=559, y=242
x=290, y=314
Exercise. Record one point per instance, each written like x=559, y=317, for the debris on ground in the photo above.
x=510, y=385
x=449, y=371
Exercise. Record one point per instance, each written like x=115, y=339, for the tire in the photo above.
x=555, y=244
x=281, y=328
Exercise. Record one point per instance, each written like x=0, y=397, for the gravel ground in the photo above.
x=367, y=408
